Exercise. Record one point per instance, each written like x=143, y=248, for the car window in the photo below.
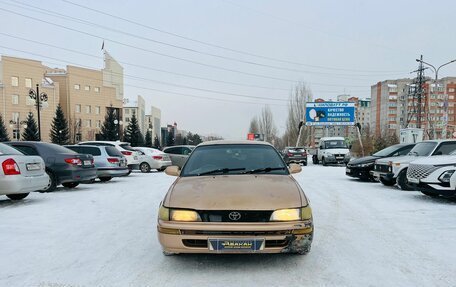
x=423, y=148
x=112, y=151
x=445, y=148
x=240, y=158
x=28, y=150
x=54, y=148
x=173, y=150
x=91, y=150
x=6, y=149
x=186, y=151
x=335, y=144
x=78, y=149
x=405, y=150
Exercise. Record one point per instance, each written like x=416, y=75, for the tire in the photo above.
x=403, y=182
x=17, y=196
x=70, y=184
x=144, y=167
x=52, y=185
x=429, y=194
x=314, y=159
x=161, y=169
x=323, y=162
x=304, y=163
x=105, y=178
x=387, y=182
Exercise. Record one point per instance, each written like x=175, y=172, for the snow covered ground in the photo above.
x=104, y=234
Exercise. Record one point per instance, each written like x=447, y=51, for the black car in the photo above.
x=295, y=155
x=361, y=167
x=63, y=165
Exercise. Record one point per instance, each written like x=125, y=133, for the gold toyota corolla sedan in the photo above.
x=235, y=197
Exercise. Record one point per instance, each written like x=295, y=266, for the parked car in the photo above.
x=20, y=174
x=235, y=197
x=295, y=155
x=394, y=170
x=434, y=176
x=107, y=159
x=130, y=154
x=63, y=166
x=362, y=167
x=179, y=153
x=332, y=150
x=153, y=159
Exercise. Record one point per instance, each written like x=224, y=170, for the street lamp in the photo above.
x=118, y=124
x=43, y=97
x=445, y=107
x=18, y=124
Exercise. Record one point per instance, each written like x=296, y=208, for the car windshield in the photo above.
x=6, y=149
x=335, y=144
x=423, y=149
x=234, y=159
x=387, y=151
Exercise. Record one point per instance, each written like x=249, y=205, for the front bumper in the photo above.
x=385, y=175
x=358, y=172
x=287, y=237
x=335, y=160
x=13, y=184
x=112, y=172
x=78, y=175
x=435, y=188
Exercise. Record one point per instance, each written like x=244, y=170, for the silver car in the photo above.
x=179, y=153
x=107, y=159
x=20, y=174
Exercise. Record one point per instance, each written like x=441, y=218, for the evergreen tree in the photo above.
x=148, y=139
x=60, y=133
x=194, y=139
x=109, y=129
x=185, y=142
x=156, y=142
x=3, y=132
x=132, y=132
x=31, y=131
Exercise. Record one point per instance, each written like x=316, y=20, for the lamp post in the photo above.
x=17, y=124
x=445, y=106
x=118, y=124
x=43, y=97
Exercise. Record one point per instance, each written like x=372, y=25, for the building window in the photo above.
x=96, y=89
x=98, y=124
x=127, y=111
x=15, y=81
x=15, y=99
x=88, y=109
x=77, y=87
x=451, y=97
x=78, y=109
x=88, y=123
x=87, y=88
x=15, y=117
x=451, y=90
x=28, y=82
x=97, y=110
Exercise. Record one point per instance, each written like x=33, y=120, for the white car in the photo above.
x=130, y=154
x=153, y=159
x=20, y=174
x=394, y=169
x=434, y=176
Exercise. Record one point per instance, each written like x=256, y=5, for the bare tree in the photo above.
x=301, y=94
x=254, y=126
x=266, y=124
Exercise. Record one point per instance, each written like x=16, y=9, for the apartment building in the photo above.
x=87, y=94
x=138, y=108
x=17, y=77
x=154, y=122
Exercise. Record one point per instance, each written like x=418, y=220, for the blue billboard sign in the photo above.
x=330, y=114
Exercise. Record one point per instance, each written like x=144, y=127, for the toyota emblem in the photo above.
x=234, y=215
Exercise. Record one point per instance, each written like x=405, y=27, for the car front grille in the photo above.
x=245, y=216
x=201, y=243
x=382, y=168
x=420, y=171
x=235, y=233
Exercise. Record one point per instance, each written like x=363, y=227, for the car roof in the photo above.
x=332, y=138
x=107, y=142
x=231, y=142
x=180, y=146
x=86, y=145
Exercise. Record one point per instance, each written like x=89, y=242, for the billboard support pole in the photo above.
x=301, y=123
x=359, y=137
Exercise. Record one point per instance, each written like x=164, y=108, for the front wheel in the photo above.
x=17, y=196
x=144, y=167
x=52, y=184
x=323, y=162
x=314, y=159
x=70, y=184
x=105, y=178
x=403, y=182
x=387, y=182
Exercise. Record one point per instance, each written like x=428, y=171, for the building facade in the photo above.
x=137, y=107
x=17, y=77
x=153, y=122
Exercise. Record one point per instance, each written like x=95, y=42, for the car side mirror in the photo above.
x=294, y=168
x=172, y=170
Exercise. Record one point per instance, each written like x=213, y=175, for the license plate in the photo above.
x=348, y=170
x=33, y=166
x=87, y=162
x=413, y=180
x=236, y=245
x=339, y=157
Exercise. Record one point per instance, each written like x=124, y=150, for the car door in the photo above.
x=175, y=155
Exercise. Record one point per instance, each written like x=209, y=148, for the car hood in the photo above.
x=437, y=160
x=235, y=192
x=400, y=159
x=366, y=159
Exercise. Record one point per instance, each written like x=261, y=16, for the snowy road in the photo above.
x=104, y=235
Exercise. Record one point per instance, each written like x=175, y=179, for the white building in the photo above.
x=138, y=107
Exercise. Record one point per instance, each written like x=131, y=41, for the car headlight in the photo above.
x=169, y=214
x=292, y=214
x=366, y=164
x=446, y=176
x=329, y=155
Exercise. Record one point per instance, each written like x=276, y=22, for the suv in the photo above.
x=179, y=153
x=434, y=177
x=332, y=150
x=391, y=170
x=295, y=155
x=130, y=154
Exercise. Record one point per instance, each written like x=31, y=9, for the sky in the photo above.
x=211, y=66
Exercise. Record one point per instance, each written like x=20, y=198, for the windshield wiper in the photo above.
x=221, y=170
x=266, y=169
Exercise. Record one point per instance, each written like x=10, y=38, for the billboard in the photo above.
x=330, y=114
x=255, y=137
